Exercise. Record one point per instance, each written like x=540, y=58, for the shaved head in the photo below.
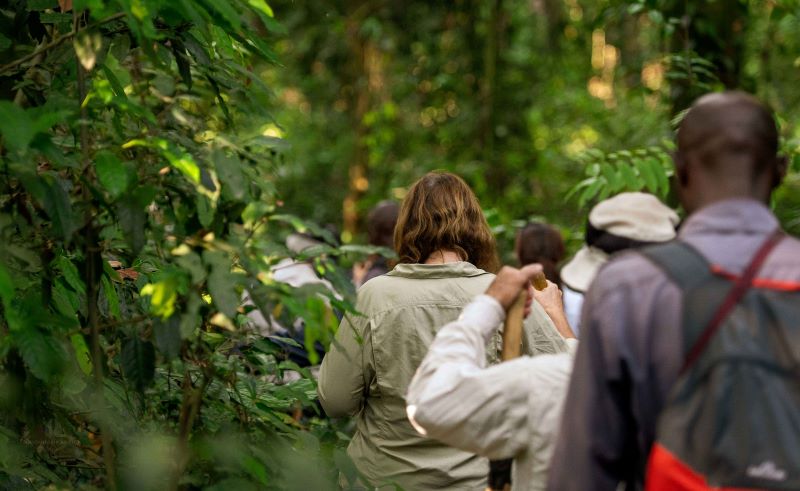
x=727, y=147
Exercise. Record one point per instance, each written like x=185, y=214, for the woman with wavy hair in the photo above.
x=446, y=257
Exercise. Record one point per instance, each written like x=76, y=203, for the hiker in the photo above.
x=625, y=221
x=446, y=254
x=508, y=410
x=291, y=338
x=380, y=232
x=640, y=328
x=540, y=243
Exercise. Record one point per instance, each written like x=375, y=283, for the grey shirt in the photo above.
x=632, y=348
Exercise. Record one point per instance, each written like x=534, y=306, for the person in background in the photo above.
x=726, y=167
x=541, y=243
x=625, y=221
x=296, y=274
x=446, y=257
x=380, y=232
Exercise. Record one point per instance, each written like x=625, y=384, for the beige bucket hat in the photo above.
x=637, y=216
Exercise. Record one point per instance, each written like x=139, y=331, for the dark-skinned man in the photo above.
x=726, y=166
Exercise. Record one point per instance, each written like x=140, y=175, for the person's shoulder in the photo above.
x=789, y=248
x=629, y=268
x=377, y=287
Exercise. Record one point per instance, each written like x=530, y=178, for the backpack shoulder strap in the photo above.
x=680, y=261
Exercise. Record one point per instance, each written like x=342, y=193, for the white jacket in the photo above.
x=508, y=410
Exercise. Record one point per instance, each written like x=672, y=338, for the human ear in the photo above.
x=681, y=171
x=781, y=167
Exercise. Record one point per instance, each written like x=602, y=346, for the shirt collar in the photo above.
x=447, y=270
x=733, y=216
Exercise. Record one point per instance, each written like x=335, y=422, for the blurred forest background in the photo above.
x=155, y=155
x=520, y=97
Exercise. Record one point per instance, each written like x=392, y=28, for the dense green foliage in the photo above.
x=520, y=97
x=153, y=150
x=136, y=204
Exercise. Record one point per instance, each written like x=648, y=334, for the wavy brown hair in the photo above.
x=440, y=212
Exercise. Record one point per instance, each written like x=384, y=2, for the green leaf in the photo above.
x=167, y=335
x=65, y=300
x=81, y=353
x=182, y=60
x=6, y=286
x=42, y=353
x=205, y=211
x=42, y=4
x=49, y=192
x=133, y=220
x=262, y=6
x=138, y=362
x=222, y=283
x=110, y=292
x=612, y=177
x=229, y=170
x=113, y=174
x=19, y=127
x=191, y=262
x=186, y=165
x=647, y=172
x=660, y=172
x=163, y=295
x=70, y=274
x=591, y=191
x=629, y=177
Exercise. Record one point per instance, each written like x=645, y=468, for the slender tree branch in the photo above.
x=93, y=259
x=57, y=42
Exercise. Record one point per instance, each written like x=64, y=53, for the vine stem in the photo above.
x=190, y=408
x=93, y=258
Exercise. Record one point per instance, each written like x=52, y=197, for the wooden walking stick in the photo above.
x=500, y=470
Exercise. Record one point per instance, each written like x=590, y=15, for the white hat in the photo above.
x=579, y=272
x=637, y=216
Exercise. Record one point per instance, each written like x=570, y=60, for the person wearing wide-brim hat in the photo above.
x=625, y=221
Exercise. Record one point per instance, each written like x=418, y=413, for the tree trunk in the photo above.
x=366, y=82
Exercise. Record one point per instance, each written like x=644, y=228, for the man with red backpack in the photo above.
x=688, y=373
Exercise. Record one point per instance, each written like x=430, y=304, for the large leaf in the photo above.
x=138, y=362
x=50, y=193
x=163, y=295
x=222, y=283
x=132, y=219
x=229, y=170
x=16, y=126
x=42, y=353
x=6, y=286
x=19, y=127
x=70, y=274
x=167, y=335
x=81, y=353
x=112, y=173
x=110, y=293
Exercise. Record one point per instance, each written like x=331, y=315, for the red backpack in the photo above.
x=732, y=419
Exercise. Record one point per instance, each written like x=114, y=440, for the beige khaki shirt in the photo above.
x=369, y=367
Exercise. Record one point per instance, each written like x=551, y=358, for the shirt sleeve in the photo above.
x=342, y=380
x=454, y=399
x=595, y=448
